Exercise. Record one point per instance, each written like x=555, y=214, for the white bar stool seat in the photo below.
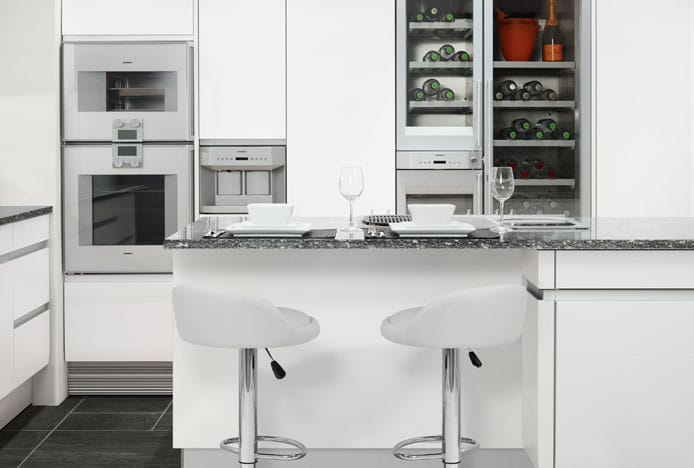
x=466, y=319
x=223, y=318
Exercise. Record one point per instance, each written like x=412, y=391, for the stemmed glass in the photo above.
x=351, y=187
x=502, y=186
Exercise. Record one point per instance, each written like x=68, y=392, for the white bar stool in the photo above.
x=467, y=319
x=223, y=318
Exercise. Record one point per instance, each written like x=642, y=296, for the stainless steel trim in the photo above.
x=477, y=118
x=450, y=442
x=250, y=142
x=30, y=315
x=478, y=198
x=23, y=251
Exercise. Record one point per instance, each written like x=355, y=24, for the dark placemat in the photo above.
x=312, y=234
x=478, y=234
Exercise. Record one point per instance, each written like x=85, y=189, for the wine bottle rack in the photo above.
x=535, y=65
x=458, y=68
x=460, y=27
x=545, y=182
x=535, y=105
x=534, y=143
x=423, y=106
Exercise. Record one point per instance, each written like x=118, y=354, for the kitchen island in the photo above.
x=601, y=378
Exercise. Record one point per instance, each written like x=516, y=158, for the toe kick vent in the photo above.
x=120, y=378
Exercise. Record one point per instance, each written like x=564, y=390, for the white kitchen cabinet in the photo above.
x=136, y=17
x=340, y=103
x=118, y=318
x=624, y=382
x=242, y=60
x=24, y=300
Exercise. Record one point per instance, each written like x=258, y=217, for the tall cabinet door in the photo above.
x=242, y=69
x=340, y=103
x=624, y=382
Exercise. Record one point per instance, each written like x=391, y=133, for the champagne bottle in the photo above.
x=521, y=95
x=432, y=56
x=445, y=94
x=433, y=14
x=417, y=94
x=447, y=52
x=533, y=87
x=549, y=95
x=562, y=134
x=552, y=44
x=549, y=125
x=461, y=56
x=521, y=125
x=508, y=133
x=431, y=87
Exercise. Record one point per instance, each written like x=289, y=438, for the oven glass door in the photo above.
x=116, y=218
x=108, y=81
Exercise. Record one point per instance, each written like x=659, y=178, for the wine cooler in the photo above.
x=509, y=81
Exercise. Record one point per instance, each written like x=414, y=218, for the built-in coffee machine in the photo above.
x=231, y=177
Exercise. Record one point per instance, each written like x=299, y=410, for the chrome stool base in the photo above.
x=399, y=448
x=233, y=445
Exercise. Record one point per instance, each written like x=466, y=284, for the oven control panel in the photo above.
x=433, y=160
x=127, y=130
x=225, y=158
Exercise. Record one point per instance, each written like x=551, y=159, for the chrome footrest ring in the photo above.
x=232, y=445
x=399, y=448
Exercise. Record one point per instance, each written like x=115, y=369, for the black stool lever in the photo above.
x=474, y=359
x=276, y=368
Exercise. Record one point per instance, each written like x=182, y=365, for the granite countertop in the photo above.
x=603, y=234
x=12, y=214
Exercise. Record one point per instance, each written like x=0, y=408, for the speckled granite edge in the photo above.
x=433, y=243
x=13, y=214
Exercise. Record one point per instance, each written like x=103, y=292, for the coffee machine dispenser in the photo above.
x=231, y=177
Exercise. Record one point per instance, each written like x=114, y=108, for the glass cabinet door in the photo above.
x=439, y=66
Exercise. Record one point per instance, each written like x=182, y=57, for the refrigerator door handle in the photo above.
x=477, y=118
x=478, y=209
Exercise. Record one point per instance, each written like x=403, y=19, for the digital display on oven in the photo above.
x=127, y=134
x=127, y=151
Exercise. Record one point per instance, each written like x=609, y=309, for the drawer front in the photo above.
x=6, y=330
x=31, y=282
x=30, y=232
x=31, y=347
x=635, y=269
x=118, y=321
x=5, y=239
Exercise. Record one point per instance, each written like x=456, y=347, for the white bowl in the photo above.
x=428, y=215
x=270, y=214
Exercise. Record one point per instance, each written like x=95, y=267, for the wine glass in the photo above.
x=351, y=187
x=502, y=186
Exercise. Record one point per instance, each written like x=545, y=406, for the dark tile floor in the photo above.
x=93, y=431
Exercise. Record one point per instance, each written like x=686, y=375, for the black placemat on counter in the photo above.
x=477, y=234
x=312, y=234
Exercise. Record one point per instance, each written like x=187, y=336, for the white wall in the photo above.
x=644, y=133
x=30, y=151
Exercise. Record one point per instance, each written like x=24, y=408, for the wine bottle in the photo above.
x=433, y=14
x=538, y=164
x=418, y=18
x=551, y=173
x=521, y=125
x=549, y=95
x=498, y=95
x=552, y=44
x=508, y=133
x=533, y=87
x=417, y=94
x=445, y=94
x=431, y=87
x=447, y=17
x=447, y=52
x=511, y=163
x=432, y=56
x=461, y=56
x=549, y=125
x=521, y=95
x=535, y=133
x=507, y=87
x=562, y=134
x=525, y=169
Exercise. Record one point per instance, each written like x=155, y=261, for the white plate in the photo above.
x=453, y=229
x=249, y=229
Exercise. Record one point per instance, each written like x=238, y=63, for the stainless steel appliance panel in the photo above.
x=121, y=81
x=117, y=213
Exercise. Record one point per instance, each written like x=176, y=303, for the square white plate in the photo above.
x=248, y=229
x=453, y=229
